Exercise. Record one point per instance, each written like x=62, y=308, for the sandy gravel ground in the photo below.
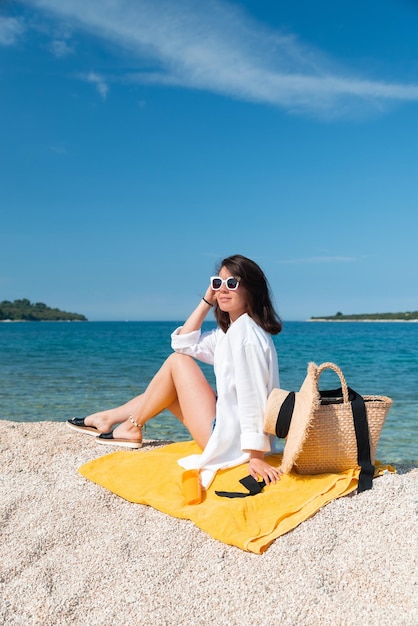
x=74, y=554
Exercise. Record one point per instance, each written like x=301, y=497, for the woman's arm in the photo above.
x=188, y=339
x=196, y=319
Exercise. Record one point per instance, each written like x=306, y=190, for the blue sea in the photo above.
x=58, y=370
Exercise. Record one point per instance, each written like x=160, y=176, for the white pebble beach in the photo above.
x=72, y=553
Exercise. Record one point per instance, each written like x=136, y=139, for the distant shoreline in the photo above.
x=37, y=321
x=23, y=310
x=396, y=316
x=324, y=319
x=316, y=319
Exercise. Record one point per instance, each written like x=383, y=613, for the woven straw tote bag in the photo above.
x=331, y=444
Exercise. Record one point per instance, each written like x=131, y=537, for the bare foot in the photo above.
x=103, y=421
x=129, y=431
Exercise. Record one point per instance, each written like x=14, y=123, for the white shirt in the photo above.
x=246, y=370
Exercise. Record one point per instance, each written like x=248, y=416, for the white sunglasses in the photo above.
x=231, y=283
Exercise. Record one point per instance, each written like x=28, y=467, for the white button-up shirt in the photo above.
x=246, y=370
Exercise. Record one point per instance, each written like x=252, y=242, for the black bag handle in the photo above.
x=361, y=428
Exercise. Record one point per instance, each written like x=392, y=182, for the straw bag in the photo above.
x=327, y=431
x=344, y=431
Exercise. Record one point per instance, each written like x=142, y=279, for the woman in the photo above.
x=245, y=363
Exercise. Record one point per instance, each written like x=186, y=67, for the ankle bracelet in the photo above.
x=131, y=419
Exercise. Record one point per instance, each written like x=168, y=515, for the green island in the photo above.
x=26, y=311
x=408, y=316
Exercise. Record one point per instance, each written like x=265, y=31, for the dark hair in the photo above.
x=260, y=306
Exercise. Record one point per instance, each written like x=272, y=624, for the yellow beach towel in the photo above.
x=154, y=478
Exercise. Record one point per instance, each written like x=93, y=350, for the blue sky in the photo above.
x=142, y=141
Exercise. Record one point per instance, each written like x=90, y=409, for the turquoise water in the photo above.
x=53, y=371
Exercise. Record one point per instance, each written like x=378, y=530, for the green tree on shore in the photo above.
x=358, y=317
x=24, y=310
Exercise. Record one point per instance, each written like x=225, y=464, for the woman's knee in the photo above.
x=177, y=358
x=184, y=369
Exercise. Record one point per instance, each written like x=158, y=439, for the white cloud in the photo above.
x=11, y=29
x=60, y=48
x=99, y=82
x=215, y=46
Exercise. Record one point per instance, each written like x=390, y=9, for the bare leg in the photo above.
x=179, y=386
x=105, y=420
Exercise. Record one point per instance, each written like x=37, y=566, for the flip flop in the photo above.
x=77, y=423
x=107, y=439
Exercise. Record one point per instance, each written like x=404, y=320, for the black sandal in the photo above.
x=77, y=423
x=109, y=440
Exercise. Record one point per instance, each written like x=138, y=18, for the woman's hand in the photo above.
x=210, y=295
x=259, y=467
x=197, y=317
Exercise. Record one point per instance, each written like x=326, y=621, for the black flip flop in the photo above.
x=108, y=439
x=77, y=423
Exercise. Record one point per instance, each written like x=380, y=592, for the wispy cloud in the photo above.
x=60, y=48
x=99, y=83
x=11, y=30
x=215, y=46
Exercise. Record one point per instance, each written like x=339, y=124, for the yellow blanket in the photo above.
x=154, y=478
